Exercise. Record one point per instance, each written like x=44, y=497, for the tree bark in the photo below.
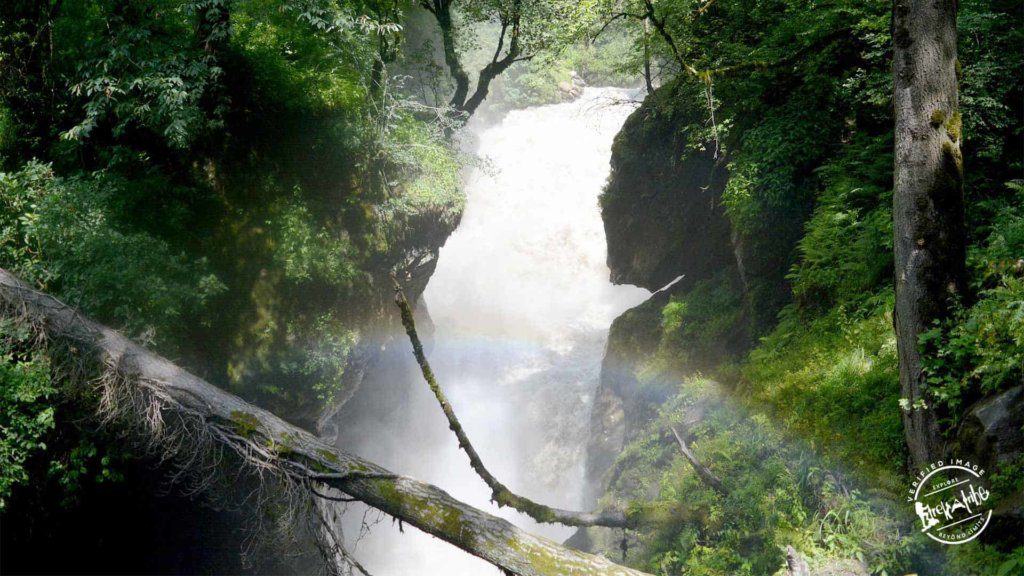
x=443, y=14
x=928, y=202
x=271, y=444
x=647, y=55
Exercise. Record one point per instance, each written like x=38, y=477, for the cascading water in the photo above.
x=521, y=305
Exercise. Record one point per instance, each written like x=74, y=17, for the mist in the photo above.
x=521, y=304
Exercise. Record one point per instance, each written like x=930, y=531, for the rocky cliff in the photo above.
x=664, y=220
x=662, y=209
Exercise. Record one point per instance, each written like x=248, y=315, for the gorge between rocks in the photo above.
x=521, y=303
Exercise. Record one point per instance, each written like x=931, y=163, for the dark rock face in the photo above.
x=993, y=431
x=764, y=254
x=663, y=218
x=661, y=208
x=992, y=436
x=616, y=413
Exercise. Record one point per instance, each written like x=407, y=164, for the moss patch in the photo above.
x=437, y=515
x=328, y=455
x=246, y=424
x=954, y=127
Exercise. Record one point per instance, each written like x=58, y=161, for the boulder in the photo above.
x=992, y=436
x=993, y=430
x=662, y=209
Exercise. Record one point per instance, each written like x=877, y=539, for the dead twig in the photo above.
x=702, y=471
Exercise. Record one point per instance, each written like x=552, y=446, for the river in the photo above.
x=521, y=305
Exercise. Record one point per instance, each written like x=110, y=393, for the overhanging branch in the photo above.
x=500, y=494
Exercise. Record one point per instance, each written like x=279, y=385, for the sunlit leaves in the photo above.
x=66, y=235
x=147, y=74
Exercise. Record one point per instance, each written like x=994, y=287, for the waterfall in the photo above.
x=521, y=305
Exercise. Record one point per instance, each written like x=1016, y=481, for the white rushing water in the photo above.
x=521, y=305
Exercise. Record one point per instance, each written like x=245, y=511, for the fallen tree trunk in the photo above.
x=182, y=414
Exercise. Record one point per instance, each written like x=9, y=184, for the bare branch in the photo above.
x=661, y=27
x=500, y=494
x=702, y=471
x=703, y=9
x=615, y=17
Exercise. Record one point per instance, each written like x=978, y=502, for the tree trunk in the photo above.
x=483, y=84
x=647, y=55
x=500, y=494
x=442, y=13
x=461, y=101
x=928, y=203
x=170, y=402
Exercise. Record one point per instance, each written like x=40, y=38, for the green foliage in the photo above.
x=307, y=251
x=325, y=358
x=67, y=235
x=544, y=25
x=246, y=424
x=846, y=250
x=995, y=562
x=989, y=90
x=286, y=61
x=701, y=326
x=980, y=350
x=791, y=94
x=599, y=63
x=252, y=164
x=808, y=145
x=428, y=170
x=830, y=381
x=26, y=406
x=229, y=188
x=999, y=254
x=85, y=462
x=36, y=449
x=778, y=495
x=707, y=311
x=147, y=71
x=805, y=127
x=7, y=136
x=814, y=401
x=780, y=149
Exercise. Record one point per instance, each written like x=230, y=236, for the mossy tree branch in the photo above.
x=500, y=494
x=181, y=417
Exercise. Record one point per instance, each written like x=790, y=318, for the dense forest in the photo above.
x=825, y=199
